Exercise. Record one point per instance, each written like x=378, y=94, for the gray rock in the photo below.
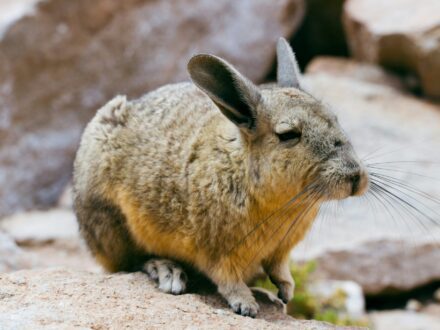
x=374, y=240
x=67, y=58
x=12, y=257
x=401, y=34
x=404, y=320
x=384, y=265
x=48, y=239
x=40, y=227
x=352, y=69
x=65, y=201
x=60, y=299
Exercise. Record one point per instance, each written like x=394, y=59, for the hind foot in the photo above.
x=239, y=298
x=168, y=275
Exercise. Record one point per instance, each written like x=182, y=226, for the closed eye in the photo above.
x=289, y=136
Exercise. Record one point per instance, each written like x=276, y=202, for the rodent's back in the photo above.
x=128, y=141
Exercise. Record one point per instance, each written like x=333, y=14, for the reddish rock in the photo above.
x=400, y=34
x=376, y=240
x=66, y=58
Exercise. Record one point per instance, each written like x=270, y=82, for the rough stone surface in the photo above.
x=402, y=34
x=349, y=68
x=60, y=299
x=58, y=65
x=404, y=320
x=376, y=241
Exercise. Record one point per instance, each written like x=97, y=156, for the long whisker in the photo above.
x=406, y=162
x=373, y=154
x=409, y=213
x=388, y=201
x=411, y=210
x=405, y=203
x=398, y=170
x=405, y=186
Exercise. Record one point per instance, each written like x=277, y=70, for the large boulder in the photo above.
x=61, y=299
x=63, y=59
x=380, y=241
x=401, y=34
x=383, y=266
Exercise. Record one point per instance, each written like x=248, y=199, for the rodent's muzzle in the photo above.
x=359, y=182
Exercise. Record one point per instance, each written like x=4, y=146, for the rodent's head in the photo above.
x=293, y=140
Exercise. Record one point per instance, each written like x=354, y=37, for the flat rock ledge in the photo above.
x=62, y=299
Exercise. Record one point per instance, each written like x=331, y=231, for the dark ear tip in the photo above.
x=200, y=60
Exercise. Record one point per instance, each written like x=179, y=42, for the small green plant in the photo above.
x=307, y=305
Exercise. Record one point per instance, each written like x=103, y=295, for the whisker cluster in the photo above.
x=400, y=200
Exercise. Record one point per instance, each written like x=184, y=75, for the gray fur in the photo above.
x=288, y=74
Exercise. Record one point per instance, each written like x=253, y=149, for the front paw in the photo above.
x=168, y=275
x=285, y=291
x=246, y=306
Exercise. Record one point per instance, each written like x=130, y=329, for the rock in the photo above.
x=381, y=266
x=49, y=239
x=354, y=302
x=13, y=10
x=432, y=309
x=65, y=201
x=400, y=34
x=39, y=227
x=413, y=305
x=404, y=320
x=69, y=254
x=60, y=298
x=352, y=69
x=374, y=240
x=12, y=257
x=58, y=65
x=437, y=295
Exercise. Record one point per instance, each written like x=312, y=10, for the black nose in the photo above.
x=355, y=180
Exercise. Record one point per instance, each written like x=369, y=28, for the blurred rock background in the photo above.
x=376, y=62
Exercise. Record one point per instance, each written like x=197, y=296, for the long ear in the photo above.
x=235, y=96
x=288, y=74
